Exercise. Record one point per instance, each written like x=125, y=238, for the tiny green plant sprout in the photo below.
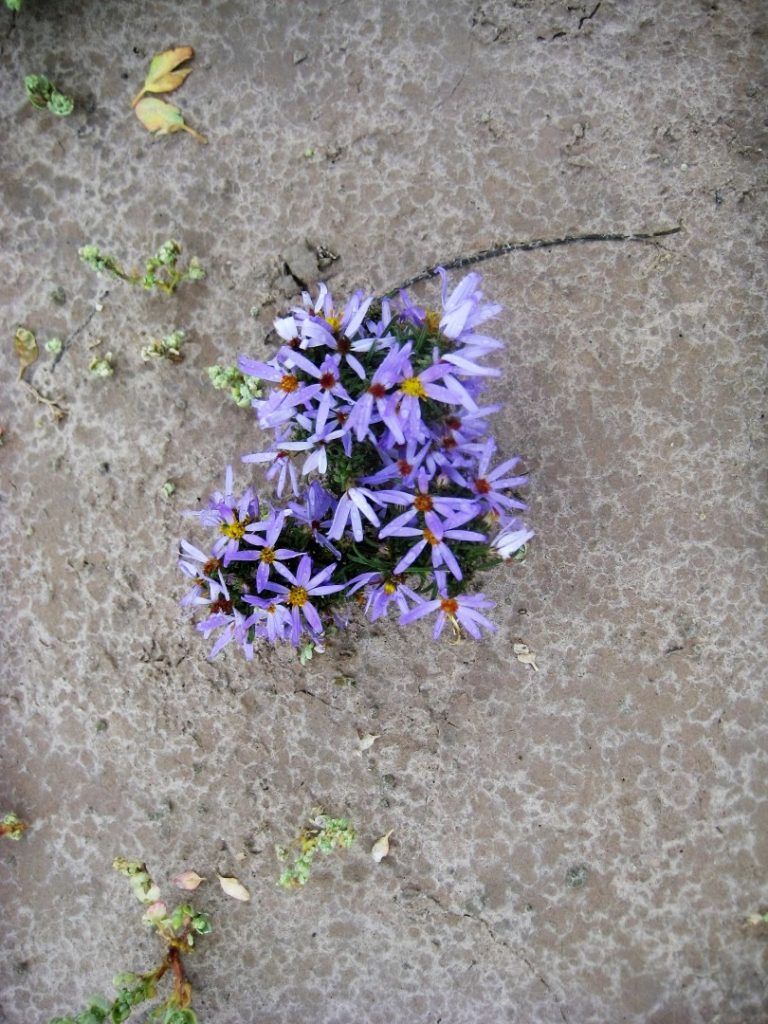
x=12, y=826
x=168, y=348
x=44, y=95
x=177, y=929
x=13, y=5
x=321, y=835
x=160, y=270
x=242, y=389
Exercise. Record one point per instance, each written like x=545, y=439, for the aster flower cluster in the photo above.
x=387, y=490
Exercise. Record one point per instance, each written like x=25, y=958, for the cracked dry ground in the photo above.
x=579, y=843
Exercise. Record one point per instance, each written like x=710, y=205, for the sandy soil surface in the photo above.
x=576, y=844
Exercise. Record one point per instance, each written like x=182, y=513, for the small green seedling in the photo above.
x=12, y=826
x=168, y=348
x=321, y=835
x=54, y=345
x=177, y=929
x=242, y=389
x=13, y=5
x=44, y=95
x=160, y=270
x=102, y=366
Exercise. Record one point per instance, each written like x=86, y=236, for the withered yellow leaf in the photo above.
x=26, y=348
x=163, y=118
x=163, y=75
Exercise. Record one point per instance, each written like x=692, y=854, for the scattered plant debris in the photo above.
x=54, y=345
x=322, y=834
x=188, y=880
x=168, y=348
x=178, y=930
x=380, y=848
x=12, y=826
x=234, y=887
x=524, y=655
x=168, y=489
x=43, y=94
x=28, y=352
x=160, y=270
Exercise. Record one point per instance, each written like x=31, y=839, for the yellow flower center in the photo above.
x=267, y=555
x=289, y=383
x=389, y=587
x=413, y=386
x=297, y=597
x=235, y=530
x=430, y=537
x=432, y=321
x=334, y=321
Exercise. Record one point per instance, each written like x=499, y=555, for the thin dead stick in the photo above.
x=56, y=410
x=530, y=246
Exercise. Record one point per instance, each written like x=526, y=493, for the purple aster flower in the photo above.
x=354, y=500
x=303, y=587
x=268, y=555
x=230, y=515
x=403, y=464
x=328, y=377
x=449, y=506
x=375, y=398
x=488, y=485
x=434, y=534
x=460, y=611
x=289, y=393
x=385, y=592
x=198, y=567
x=282, y=467
x=273, y=620
x=312, y=512
x=464, y=309
x=403, y=409
x=511, y=538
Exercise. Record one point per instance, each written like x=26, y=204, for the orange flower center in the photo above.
x=430, y=537
x=422, y=503
x=267, y=555
x=289, y=383
x=449, y=606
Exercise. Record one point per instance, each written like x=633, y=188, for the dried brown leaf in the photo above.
x=163, y=74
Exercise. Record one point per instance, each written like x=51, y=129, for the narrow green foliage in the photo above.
x=12, y=826
x=161, y=270
x=44, y=95
x=177, y=929
x=168, y=348
x=321, y=835
x=242, y=389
